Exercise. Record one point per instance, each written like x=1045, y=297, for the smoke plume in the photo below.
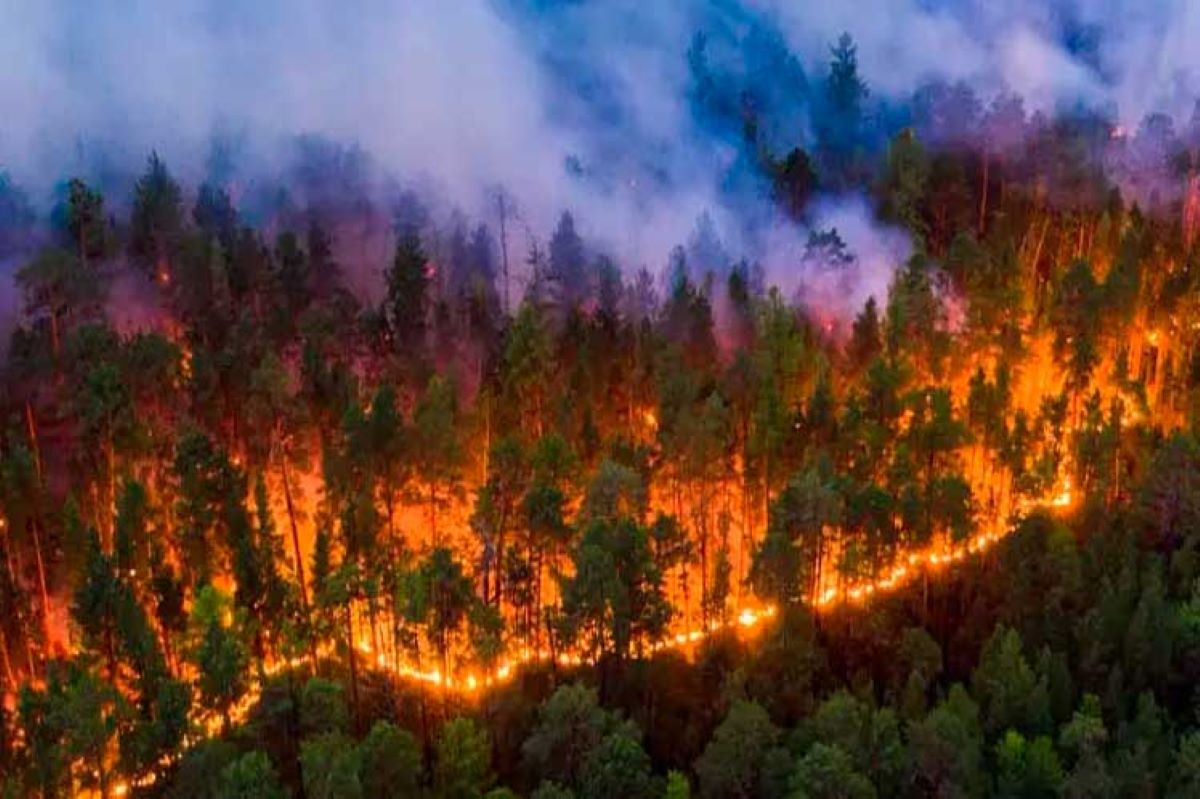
x=586, y=106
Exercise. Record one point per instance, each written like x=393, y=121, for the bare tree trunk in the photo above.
x=389, y=506
x=536, y=621
x=1037, y=257
x=112, y=487
x=10, y=680
x=433, y=531
x=291, y=512
x=352, y=654
x=29, y=656
x=168, y=650
x=295, y=530
x=8, y=551
x=37, y=540
x=371, y=612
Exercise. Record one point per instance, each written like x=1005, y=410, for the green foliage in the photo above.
x=919, y=664
x=1027, y=768
x=871, y=738
x=552, y=790
x=218, y=652
x=907, y=180
x=59, y=288
x=462, y=761
x=157, y=215
x=946, y=747
x=250, y=777
x=86, y=223
x=617, y=766
x=1185, y=771
x=785, y=566
x=390, y=763
x=615, y=597
x=1009, y=693
x=200, y=773
x=407, y=299
x=70, y=726
x=323, y=708
x=570, y=726
x=734, y=761
x=439, y=458
x=331, y=764
x=826, y=772
x=678, y=786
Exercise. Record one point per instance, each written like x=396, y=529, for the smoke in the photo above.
x=584, y=106
x=1133, y=56
x=839, y=290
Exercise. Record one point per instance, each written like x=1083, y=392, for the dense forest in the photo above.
x=540, y=523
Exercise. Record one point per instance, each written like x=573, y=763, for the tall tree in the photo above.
x=407, y=302
x=60, y=289
x=439, y=458
x=156, y=221
x=568, y=263
x=845, y=93
x=86, y=223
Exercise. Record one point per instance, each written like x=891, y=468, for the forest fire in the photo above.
x=462, y=565
x=875, y=473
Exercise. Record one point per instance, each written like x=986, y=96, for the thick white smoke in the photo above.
x=468, y=95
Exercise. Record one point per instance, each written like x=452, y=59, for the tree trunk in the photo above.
x=291, y=512
x=37, y=541
x=536, y=619
x=433, y=535
x=168, y=650
x=110, y=655
x=389, y=506
x=111, y=456
x=426, y=738
x=371, y=612
x=498, y=556
x=352, y=655
x=1037, y=257
x=8, y=550
x=32, y=668
x=45, y=595
x=10, y=680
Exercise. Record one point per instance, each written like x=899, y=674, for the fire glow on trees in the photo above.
x=273, y=477
x=424, y=499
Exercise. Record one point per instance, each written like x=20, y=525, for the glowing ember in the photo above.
x=1063, y=498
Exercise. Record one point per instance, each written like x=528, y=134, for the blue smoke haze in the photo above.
x=583, y=105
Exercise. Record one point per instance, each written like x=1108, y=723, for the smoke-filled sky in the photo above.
x=579, y=105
